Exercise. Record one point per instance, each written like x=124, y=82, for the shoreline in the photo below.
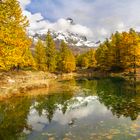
x=22, y=82
x=26, y=82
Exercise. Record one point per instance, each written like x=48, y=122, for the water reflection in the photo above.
x=89, y=103
x=48, y=105
x=120, y=96
x=13, y=118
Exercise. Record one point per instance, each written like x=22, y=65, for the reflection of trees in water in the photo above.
x=14, y=113
x=13, y=118
x=119, y=96
x=88, y=86
x=50, y=103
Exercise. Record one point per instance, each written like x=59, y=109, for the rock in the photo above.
x=66, y=139
x=109, y=137
x=72, y=121
x=51, y=138
x=11, y=81
x=68, y=134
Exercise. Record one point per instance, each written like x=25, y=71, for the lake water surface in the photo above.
x=97, y=109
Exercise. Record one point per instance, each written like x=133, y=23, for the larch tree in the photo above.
x=67, y=60
x=122, y=52
x=14, y=41
x=84, y=62
x=133, y=42
x=91, y=58
x=40, y=56
x=87, y=59
x=51, y=53
x=102, y=57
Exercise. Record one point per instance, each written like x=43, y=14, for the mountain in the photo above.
x=76, y=42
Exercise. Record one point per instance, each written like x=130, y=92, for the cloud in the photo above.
x=64, y=25
x=39, y=25
x=37, y=22
x=101, y=17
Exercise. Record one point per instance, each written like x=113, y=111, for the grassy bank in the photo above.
x=23, y=81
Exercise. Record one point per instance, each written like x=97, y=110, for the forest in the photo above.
x=120, y=52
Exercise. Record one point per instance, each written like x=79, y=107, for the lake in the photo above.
x=86, y=109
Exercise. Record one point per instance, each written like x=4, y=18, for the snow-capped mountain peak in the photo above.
x=72, y=39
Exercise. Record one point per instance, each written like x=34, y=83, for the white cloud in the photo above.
x=79, y=113
x=33, y=17
x=64, y=25
x=83, y=30
x=99, y=17
x=40, y=25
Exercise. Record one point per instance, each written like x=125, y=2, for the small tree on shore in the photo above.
x=40, y=56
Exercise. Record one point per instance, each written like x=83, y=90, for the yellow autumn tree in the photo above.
x=87, y=60
x=67, y=60
x=131, y=57
x=40, y=56
x=91, y=58
x=102, y=57
x=122, y=52
x=14, y=42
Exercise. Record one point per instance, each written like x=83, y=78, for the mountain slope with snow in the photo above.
x=72, y=39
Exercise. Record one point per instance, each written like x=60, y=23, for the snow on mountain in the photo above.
x=73, y=39
x=77, y=102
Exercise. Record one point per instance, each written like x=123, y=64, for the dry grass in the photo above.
x=21, y=82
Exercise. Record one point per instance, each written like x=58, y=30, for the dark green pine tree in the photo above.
x=51, y=53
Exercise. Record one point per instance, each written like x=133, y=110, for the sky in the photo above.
x=96, y=19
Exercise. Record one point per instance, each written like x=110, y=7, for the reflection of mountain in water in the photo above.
x=118, y=95
x=19, y=115
x=78, y=102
